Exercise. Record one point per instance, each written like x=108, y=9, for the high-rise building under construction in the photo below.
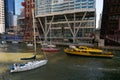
x=65, y=19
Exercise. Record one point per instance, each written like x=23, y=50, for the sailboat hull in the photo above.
x=30, y=44
x=50, y=49
x=15, y=42
x=27, y=66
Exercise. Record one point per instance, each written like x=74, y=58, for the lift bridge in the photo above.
x=110, y=26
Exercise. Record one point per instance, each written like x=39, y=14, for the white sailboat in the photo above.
x=3, y=44
x=14, y=42
x=30, y=44
x=32, y=64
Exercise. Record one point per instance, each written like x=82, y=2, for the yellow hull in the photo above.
x=87, y=53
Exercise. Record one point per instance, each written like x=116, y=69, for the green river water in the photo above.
x=63, y=67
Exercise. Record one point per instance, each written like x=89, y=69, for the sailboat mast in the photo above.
x=34, y=32
x=50, y=35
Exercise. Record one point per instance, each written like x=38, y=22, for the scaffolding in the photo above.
x=28, y=23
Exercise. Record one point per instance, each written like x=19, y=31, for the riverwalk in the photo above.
x=87, y=44
x=14, y=57
x=110, y=47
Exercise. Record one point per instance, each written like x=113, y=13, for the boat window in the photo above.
x=84, y=51
x=12, y=67
x=22, y=64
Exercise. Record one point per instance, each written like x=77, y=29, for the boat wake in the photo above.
x=99, y=68
x=109, y=69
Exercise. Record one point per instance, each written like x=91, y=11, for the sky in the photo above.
x=18, y=6
x=99, y=7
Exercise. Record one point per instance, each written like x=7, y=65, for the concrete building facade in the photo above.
x=2, y=19
x=65, y=20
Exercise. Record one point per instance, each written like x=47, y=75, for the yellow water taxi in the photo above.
x=87, y=51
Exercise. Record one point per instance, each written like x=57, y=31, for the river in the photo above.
x=63, y=67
